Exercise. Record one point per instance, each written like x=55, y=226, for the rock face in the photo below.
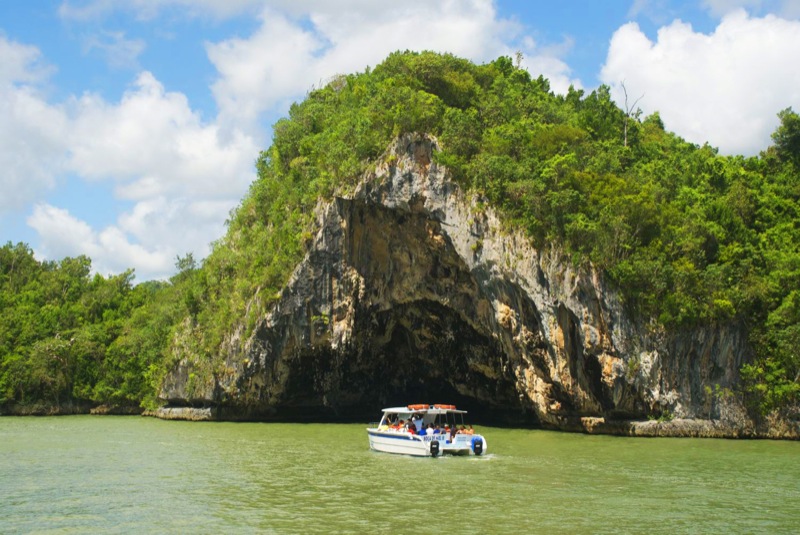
x=413, y=292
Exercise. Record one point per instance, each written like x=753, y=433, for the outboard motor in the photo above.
x=434, y=448
x=477, y=445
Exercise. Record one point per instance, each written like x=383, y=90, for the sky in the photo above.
x=129, y=128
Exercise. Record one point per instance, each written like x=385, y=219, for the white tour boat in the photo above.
x=425, y=431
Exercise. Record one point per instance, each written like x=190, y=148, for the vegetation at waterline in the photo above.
x=69, y=338
x=689, y=236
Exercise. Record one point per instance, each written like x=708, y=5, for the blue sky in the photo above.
x=129, y=128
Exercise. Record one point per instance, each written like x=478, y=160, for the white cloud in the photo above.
x=31, y=131
x=790, y=9
x=183, y=174
x=152, y=143
x=785, y=8
x=725, y=88
x=84, y=11
x=657, y=12
x=118, y=51
x=721, y=8
x=77, y=10
x=63, y=235
x=148, y=238
x=183, y=177
x=22, y=64
x=557, y=72
x=176, y=224
x=311, y=42
x=32, y=140
x=258, y=73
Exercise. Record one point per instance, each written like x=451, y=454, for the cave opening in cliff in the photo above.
x=425, y=352
x=424, y=329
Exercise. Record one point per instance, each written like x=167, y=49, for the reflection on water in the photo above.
x=128, y=474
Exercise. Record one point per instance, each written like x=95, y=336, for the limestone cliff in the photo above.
x=413, y=291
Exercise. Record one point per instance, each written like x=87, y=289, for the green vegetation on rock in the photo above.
x=689, y=237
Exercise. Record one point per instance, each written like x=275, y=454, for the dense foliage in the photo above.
x=68, y=338
x=689, y=236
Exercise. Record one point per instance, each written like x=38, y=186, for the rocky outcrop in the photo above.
x=184, y=413
x=413, y=291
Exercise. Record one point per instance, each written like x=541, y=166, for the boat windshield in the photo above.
x=450, y=418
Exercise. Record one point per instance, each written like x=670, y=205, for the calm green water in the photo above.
x=84, y=474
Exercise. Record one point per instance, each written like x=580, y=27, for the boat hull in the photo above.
x=420, y=446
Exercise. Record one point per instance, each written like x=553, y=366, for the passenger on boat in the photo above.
x=417, y=420
x=387, y=423
x=470, y=431
x=422, y=431
x=411, y=428
x=397, y=426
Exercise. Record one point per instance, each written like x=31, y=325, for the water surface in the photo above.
x=90, y=474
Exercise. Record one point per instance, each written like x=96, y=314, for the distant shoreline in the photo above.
x=677, y=428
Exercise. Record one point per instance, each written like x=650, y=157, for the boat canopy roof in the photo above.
x=423, y=409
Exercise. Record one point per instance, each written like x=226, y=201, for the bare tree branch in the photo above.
x=628, y=110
